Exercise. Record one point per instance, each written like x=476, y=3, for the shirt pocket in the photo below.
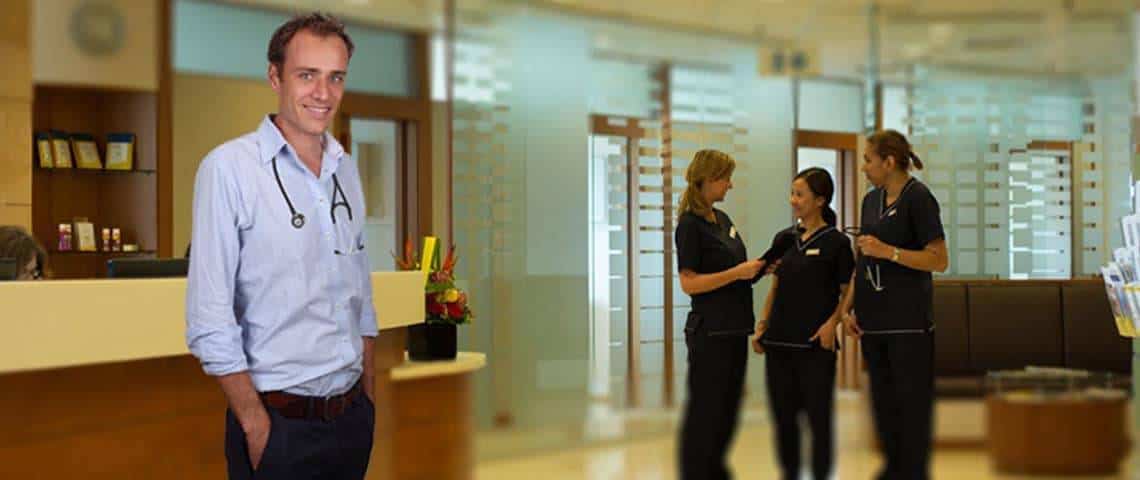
x=352, y=266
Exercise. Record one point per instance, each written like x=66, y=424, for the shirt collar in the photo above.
x=270, y=143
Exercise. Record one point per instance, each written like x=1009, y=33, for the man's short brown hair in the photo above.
x=321, y=24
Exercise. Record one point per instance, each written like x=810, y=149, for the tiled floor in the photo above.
x=752, y=457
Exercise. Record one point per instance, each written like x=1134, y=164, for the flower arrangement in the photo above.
x=444, y=303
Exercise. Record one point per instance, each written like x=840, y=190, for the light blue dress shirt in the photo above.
x=287, y=305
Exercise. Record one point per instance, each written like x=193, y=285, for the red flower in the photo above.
x=454, y=310
x=435, y=308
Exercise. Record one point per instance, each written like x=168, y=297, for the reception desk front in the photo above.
x=96, y=382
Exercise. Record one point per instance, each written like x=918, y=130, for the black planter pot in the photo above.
x=432, y=341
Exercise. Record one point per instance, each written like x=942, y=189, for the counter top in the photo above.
x=66, y=323
x=465, y=362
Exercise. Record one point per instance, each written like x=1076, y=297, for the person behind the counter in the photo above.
x=19, y=245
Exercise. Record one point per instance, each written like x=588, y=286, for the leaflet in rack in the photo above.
x=1121, y=283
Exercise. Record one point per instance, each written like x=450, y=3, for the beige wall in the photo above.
x=207, y=112
x=16, y=115
x=59, y=60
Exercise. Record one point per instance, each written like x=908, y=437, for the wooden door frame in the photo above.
x=633, y=133
x=847, y=146
x=413, y=115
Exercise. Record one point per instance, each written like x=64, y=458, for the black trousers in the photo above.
x=802, y=381
x=717, y=364
x=307, y=448
x=901, y=368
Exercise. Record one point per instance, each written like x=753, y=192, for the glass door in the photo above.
x=378, y=146
x=634, y=292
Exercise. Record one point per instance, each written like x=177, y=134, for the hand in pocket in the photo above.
x=256, y=439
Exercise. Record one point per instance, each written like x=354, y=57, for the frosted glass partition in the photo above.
x=830, y=105
x=231, y=41
x=896, y=108
x=1027, y=169
x=567, y=230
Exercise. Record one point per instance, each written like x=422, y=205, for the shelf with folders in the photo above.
x=92, y=172
x=103, y=147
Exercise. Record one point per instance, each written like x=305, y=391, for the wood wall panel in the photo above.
x=15, y=114
x=15, y=215
x=15, y=49
x=15, y=162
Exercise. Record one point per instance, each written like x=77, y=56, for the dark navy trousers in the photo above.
x=307, y=448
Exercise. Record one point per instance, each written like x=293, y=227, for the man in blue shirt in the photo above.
x=279, y=301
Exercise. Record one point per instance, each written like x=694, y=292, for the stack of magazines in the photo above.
x=1120, y=280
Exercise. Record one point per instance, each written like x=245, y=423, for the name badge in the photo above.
x=812, y=252
x=732, y=232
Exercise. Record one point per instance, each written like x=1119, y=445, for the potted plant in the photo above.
x=446, y=306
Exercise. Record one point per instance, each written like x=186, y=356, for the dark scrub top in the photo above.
x=891, y=298
x=706, y=247
x=810, y=276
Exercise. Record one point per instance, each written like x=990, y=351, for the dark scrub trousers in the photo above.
x=716, y=335
x=800, y=372
x=894, y=308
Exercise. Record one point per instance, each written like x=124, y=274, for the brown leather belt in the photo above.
x=300, y=406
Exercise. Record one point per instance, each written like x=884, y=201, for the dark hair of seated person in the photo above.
x=16, y=243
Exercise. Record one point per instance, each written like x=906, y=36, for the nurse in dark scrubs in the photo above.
x=798, y=330
x=716, y=273
x=901, y=242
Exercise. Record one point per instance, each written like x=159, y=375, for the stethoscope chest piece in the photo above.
x=298, y=221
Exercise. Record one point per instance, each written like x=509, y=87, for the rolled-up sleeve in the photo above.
x=212, y=332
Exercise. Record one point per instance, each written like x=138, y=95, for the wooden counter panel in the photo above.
x=49, y=404
x=165, y=418
x=434, y=416
x=185, y=446
x=159, y=418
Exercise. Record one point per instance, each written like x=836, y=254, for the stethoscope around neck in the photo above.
x=874, y=277
x=297, y=218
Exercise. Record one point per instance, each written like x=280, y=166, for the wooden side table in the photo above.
x=1066, y=435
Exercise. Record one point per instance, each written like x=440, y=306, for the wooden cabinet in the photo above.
x=127, y=200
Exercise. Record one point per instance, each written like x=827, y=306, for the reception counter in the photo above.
x=96, y=382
